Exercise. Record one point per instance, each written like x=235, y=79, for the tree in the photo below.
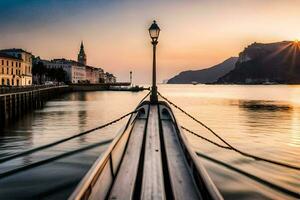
x=56, y=74
x=39, y=70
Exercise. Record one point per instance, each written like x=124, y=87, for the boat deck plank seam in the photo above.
x=128, y=170
x=181, y=179
x=153, y=183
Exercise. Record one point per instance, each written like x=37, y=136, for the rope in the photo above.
x=229, y=145
x=63, y=140
x=38, y=163
x=260, y=180
x=203, y=138
x=144, y=98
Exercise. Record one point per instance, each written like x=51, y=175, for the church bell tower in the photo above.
x=81, y=55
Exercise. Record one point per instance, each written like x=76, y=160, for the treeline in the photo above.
x=42, y=73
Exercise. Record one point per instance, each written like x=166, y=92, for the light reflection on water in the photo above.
x=263, y=120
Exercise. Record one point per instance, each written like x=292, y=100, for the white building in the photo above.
x=78, y=74
x=75, y=72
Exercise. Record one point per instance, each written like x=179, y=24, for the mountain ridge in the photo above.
x=261, y=63
x=207, y=75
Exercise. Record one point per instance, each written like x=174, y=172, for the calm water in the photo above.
x=263, y=120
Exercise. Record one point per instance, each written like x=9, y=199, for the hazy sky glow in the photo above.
x=195, y=33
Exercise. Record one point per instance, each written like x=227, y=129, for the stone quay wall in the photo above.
x=14, y=105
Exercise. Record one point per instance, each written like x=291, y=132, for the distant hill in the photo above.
x=208, y=75
x=266, y=63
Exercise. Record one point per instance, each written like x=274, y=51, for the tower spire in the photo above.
x=81, y=55
x=81, y=45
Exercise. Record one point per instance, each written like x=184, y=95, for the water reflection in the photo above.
x=263, y=106
x=82, y=112
x=295, y=125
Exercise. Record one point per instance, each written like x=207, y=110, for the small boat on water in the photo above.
x=151, y=158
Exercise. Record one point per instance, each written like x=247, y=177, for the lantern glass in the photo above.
x=154, y=31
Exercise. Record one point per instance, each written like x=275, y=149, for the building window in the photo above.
x=7, y=63
x=2, y=62
x=12, y=82
x=7, y=82
x=19, y=64
x=17, y=82
x=7, y=71
x=3, y=81
x=12, y=71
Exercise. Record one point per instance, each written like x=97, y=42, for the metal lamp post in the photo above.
x=154, y=33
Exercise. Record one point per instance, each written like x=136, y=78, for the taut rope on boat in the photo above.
x=206, y=139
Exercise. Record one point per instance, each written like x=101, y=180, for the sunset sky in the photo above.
x=195, y=33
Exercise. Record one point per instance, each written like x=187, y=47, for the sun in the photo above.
x=296, y=41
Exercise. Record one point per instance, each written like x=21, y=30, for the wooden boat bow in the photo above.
x=149, y=159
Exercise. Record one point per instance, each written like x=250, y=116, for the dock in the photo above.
x=16, y=102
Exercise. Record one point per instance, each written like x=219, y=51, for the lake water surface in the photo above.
x=262, y=120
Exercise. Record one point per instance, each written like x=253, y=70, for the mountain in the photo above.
x=266, y=63
x=208, y=75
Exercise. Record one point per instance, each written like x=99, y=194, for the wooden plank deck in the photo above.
x=124, y=183
x=182, y=182
x=153, y=182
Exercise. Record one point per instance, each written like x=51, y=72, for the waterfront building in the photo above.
x=10, y=70
x=16, y=67
x=78, y=74
x=101, y=75
x=110, y=78
x=92, y=74
x=78, y=71
x=75, y=72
